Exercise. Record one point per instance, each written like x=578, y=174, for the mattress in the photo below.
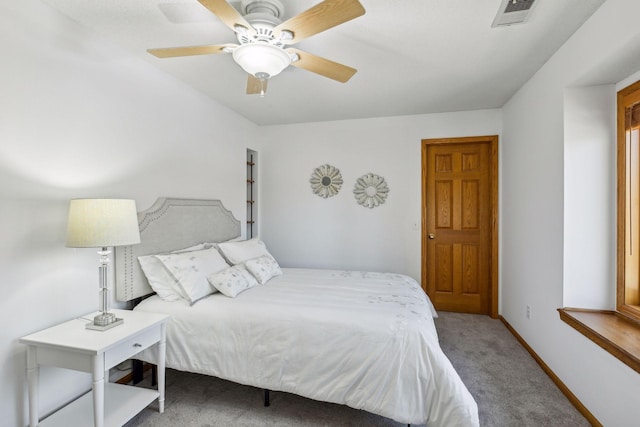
x=362, y=339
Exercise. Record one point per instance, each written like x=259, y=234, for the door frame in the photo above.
x=492, y=140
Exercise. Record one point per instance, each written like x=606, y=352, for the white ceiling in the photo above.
x=412, y=56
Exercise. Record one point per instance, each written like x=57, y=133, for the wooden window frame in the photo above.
x=626, y=96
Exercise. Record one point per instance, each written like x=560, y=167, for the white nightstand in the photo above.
x=70, y=345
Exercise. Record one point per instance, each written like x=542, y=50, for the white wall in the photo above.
x=589, y=197
x=602, y=52
x=302, y=229
x=81, y=118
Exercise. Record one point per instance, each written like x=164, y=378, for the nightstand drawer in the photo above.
x=131, y=347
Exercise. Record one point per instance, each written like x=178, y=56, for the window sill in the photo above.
x=614, y=332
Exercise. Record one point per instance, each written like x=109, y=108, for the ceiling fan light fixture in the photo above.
x=261, y=58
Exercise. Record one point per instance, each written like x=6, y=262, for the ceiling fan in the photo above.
x=263, y=38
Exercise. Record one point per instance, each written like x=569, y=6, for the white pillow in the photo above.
x=233, y=280
x=159, y=278
x=239, y=252
x=190, y=270
x=263, y=268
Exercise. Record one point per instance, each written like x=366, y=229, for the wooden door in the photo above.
x=460, y=224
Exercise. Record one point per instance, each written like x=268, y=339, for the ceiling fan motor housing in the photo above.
x=263, y=16
x=269, y=7
x=263, y=25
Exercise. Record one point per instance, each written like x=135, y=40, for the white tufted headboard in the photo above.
x=168, y=225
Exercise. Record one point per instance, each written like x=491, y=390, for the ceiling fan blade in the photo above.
x=227, y=14
x=320, y=17
x=322, y=66
x=171, y=52
x=255, y=86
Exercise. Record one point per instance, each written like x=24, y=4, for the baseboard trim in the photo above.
x=563, y=388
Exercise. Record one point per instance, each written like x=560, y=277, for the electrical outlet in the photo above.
x=528, y=312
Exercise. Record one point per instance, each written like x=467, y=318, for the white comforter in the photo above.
x=366, y=340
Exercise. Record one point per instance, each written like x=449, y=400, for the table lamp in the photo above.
x=102, y=223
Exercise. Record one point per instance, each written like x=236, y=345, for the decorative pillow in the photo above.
x=190, y=270
x=239, y=252
x=160, y=279
x=263, y=268
x=233, y=280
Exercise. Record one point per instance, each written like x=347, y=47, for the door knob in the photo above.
x=431, y=236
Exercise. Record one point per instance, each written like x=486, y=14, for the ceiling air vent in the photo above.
x=513, y=12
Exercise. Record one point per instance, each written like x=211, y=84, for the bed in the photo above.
x=362, y=339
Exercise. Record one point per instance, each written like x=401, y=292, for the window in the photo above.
x=618, y=331
x=628, y=251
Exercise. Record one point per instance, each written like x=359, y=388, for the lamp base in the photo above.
x=104, y=321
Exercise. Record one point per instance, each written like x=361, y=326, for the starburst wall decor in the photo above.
x=371, y=190
x=326, y=181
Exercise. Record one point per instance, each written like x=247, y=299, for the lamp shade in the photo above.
x=257, y=58
x=101, y=223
